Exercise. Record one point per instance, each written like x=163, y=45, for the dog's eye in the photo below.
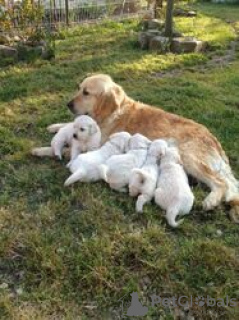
x=82, y=129
x=85, y=92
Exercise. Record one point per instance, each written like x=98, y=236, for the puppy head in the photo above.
x=84, y=128
x=98, y=96
x=138, y=141
x=121, y=140
x=158, y=148
x=136, y=180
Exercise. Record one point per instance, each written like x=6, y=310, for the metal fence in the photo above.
x=68, y=11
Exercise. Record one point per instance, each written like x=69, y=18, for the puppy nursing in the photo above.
x=143, y=181
x=116, y=171
x=173, y=193
x=124, y=161
x=86, y=167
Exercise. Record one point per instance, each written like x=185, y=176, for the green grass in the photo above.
x=72, y=253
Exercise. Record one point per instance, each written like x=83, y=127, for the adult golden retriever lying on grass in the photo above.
x=202, y=155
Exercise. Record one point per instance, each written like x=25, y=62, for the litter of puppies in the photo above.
x=147, y=169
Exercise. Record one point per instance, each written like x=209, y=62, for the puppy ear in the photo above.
x=92, y=129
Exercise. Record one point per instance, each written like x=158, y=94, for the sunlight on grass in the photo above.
x=216, y=32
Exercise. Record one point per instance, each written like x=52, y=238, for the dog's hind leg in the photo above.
x=141, y=201
x=205, y=173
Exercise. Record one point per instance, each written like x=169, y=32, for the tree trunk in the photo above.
x=169, y=19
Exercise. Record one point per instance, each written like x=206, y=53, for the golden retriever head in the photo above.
x=98, y=96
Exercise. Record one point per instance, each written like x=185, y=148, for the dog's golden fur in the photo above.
x=201, y=153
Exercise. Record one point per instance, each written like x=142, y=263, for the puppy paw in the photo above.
x=139, y=208
x=69, y=164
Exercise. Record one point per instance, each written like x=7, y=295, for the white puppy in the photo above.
x=85, y=167
x=82, y=135
x=143, y=181
x=116, y=171
x=173, y=193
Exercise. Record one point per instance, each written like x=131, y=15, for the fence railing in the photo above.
x=69, y=11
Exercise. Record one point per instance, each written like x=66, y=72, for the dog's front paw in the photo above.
x=209, y=203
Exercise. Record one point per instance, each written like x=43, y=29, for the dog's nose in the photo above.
x=75, y=136
x=70, y=105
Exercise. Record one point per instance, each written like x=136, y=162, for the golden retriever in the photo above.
x=202, y=155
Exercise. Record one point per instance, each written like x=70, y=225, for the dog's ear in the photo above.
x=109, y=102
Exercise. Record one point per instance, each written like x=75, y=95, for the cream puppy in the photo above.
x=143, y=181
x=116, y=171
x=173, y=193
x=82, y=135
x=85, y=167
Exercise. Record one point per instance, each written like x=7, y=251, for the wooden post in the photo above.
x=67, y=12
x=169, y=19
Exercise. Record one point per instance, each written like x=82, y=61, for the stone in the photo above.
x=16, y=38
x=177, y=34
x=179, y=12
x=159, y=43
x=145, y=37
x=155, y=24
x=153, y=32
x=187, y=45
x=191, y=14
x=148, y=14
x=143, y=40
x=4, y=39
x=8, y=52
x=144, y=25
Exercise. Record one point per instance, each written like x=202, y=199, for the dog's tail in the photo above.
x=76, y=176
x=171, y=215
x=103, y=170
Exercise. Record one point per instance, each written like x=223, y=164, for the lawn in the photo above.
x=72, y=253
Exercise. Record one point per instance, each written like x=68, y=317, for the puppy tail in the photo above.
x=76, y=176
x=103, y=169
x=171, y=218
